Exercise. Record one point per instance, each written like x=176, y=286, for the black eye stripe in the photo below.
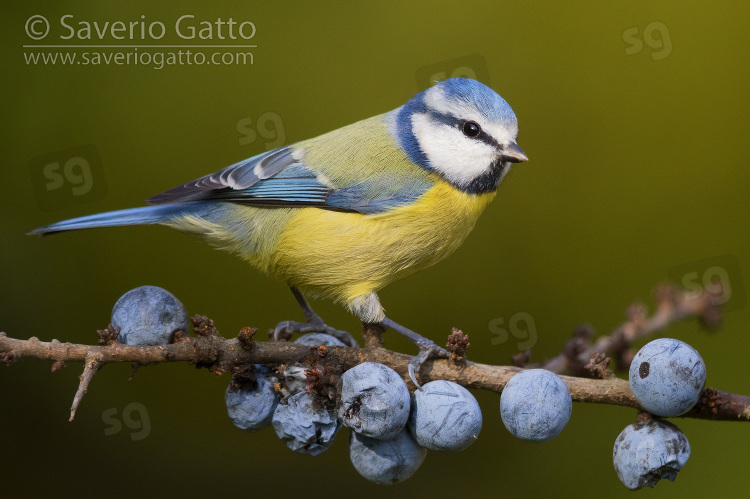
x=459, y=123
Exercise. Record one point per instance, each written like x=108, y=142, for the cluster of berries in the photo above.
x=392, y=430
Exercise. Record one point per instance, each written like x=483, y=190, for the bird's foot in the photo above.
x=313, y=327
x=427, y=349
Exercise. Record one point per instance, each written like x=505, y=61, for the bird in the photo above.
x=344, y=214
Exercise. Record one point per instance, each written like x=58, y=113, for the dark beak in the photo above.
x=514, y=154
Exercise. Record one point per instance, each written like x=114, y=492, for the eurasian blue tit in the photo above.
x=342, y=215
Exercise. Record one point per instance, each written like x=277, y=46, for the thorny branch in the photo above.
x=671, y=305
x=587, y=360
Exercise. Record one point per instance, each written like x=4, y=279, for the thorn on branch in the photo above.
x=711, y=315
x=134, y=366
x=457, y=344
x=711, y=318
x=203, y=326
x=619, y=348
x=8, y=358
x=108, y=335
x=598, y=367
x=57, y=365
x=716, y=291
x=92, y=365
x=373, y=335
x=521, y=359
x=575, y=346
x=245, y=337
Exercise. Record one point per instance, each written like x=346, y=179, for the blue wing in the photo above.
x=232, y=179
x=277, y=178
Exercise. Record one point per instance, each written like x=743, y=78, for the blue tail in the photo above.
x=133, y=216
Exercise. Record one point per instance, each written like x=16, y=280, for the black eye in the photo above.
x=471, y=129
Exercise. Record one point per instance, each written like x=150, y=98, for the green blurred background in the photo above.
x=634, y=116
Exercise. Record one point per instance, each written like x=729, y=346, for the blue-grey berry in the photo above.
x=318, y=339
x=251, y=408
x=386, y=461
x=303, y=425
x=374, y=401
x=444, y=416
x=644, y=453
x=535, y=405
x=148, y=315
x=667, y=377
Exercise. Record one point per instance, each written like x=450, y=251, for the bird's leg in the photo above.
x=427, y=348
x=313, y=324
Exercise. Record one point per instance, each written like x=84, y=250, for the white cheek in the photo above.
x=501, y=133
x=457, y=157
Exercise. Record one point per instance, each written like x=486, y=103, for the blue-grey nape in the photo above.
x=408, y=141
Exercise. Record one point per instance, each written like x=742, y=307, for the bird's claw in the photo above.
x=427, y=350
x=281, y=326
x=313, y=327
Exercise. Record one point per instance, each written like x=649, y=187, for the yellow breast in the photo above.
x=345, y=255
